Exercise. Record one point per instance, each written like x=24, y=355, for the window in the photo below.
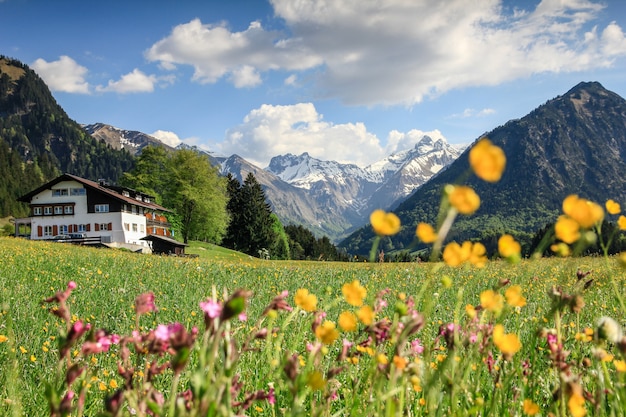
x=68, y=210
x=47, y=230
x=102, y=208
x=134, y=227
x=63, y=229
x=47, y=210
x=127, y=227
x=154, y=230
x=60, y=192
x=77, y=191
x=141, y=228
x=36, y=211
x=104, y=226
x=58, y=209
x=134, y=211
x=82, y=228
x=125, y=193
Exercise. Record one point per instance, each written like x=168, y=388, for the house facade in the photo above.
x=118, y=216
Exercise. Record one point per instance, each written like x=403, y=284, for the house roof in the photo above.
x=164, y=239
x=108, y=190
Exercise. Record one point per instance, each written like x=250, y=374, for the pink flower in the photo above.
x=144, y=303
x=71, y=285
x=416, y=346
x=270, y=396
x=162, y=333
x=242, y=316
x=211, y=308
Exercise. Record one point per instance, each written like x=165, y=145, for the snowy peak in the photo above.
x=131, y=140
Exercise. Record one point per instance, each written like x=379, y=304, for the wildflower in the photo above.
x=399, y=362
x=383, y=223
x=514, y=296
x=354, y=293
x=306, y=301
x=464, y=199
x=3, y=338
x=426, y=233
x=327, y=332
x=23, y=350
x=417, y=347
x=144, y=303
x=491, y=301
x=561, y=249
x=509, y=248
x=316, y=380
x=487, y=160
x=211, y=308
x=586, y=213
x=470, y=310
x=455, y=254
x=33, y=358
x=508, y=344
x=530, y=408
x=621, y=222
x=381, y=358
x=620, y=365
x=609, y=329
x=347, y=321
x=567, y=229
x=576, y=405
x=612, y=207
x=478, y=255
x=366, y=315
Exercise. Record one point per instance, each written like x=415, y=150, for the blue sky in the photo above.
x=345, y=80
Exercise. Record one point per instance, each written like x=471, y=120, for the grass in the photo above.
x=450, y=377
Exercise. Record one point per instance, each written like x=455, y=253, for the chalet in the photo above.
x=117, y=216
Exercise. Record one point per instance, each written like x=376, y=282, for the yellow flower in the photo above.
x=585, y=212
x=478, y=255
x=470, y=311
x=576, y=405
x=508, y=247
x=366, y=315
x=508, y=344
x=514, y=296
x=381, y=358
x=621, y=222
x=3, y=338
x=33, y=358
x=612, y=207
x=620, y=366
x=305, y=301
x=316, y=380
x=560, y=249
x=567, y=229
x=384, y=223
x=113, y=384
x=347, y=321
x=487, y=160
x=464, y=199
x=102, y=386
x=399, y=362
x=426, y=233
x=530, y=408
x=23, y=349
x=354, y=293
x=327, y=333
x=491, y=301
x=455, y=254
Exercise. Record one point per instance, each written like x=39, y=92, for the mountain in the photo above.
x=573, y=144
x=38, y=140
x=119, y=139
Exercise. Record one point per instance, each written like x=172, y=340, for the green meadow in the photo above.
x=429, y=349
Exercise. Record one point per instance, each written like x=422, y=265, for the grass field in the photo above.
x=430, y=352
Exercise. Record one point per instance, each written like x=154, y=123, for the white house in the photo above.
x=118, y=216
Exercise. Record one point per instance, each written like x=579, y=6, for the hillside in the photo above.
x=38, y=140
x=573, y=144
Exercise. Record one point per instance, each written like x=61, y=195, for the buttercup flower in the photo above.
x=508, y=247
x=327, y=333
x=3, y=338
x=478, y=255
x=508, y=344
x=612, y=207
x=426, y=233
x=347, y=321
x=306, y=301
x=491, y=301
x=354, y=293
x=514, y=296
x=366, y=315
x=585, y=212
x=576, y=405
x=567, y=229
x=487, y=160
x=530, y=408
x=464, y=199
x=621, y=222
x=455, y=254
x=316, y=380
x=383, y=223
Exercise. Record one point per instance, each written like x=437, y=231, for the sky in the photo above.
x=345, y=80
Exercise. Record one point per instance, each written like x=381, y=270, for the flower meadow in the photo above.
x=92, y=332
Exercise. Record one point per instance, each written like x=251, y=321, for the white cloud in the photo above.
x=291, y=80
x=467, y=113
x=169, y=138
x=133, y=82
x=402, y=53
x=64, y=75
x=277, y=130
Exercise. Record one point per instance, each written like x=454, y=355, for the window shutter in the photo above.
x=88, y=227
x=70, y=228
x=39, y=231
x=97, y=227
x=110, y=226
x=55, y=230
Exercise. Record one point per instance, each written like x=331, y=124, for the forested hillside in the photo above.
x=38, y=140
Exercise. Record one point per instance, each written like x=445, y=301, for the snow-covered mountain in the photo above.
x=327, y=197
